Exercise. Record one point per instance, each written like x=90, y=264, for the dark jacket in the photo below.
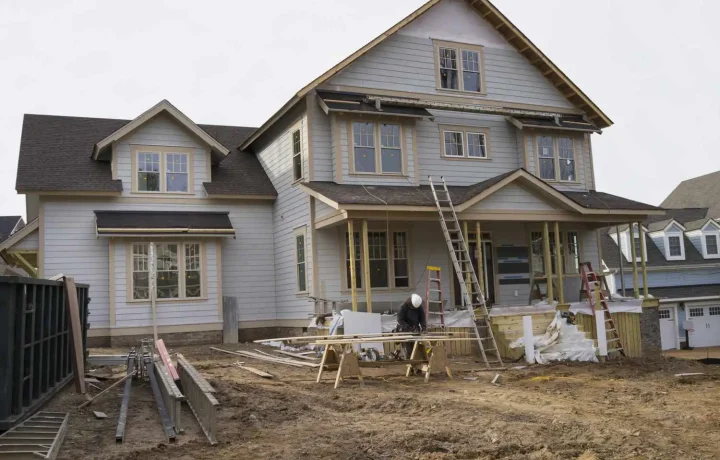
x=410, y=317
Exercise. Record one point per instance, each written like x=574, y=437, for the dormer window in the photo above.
x=459, y=67
x=161, y=169
x=710, y=240
x=711, y=245
x=674, y=244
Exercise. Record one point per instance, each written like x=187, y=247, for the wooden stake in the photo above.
x=353, y=281
x=366, y=265
x=89, y=401
x=636, y=288
x=73, y=308
x=643, y=259
x=480, y=259
x=558, y=263
x=548, y=263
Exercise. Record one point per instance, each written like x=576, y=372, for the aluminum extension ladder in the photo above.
x=592, y=285
x=459, y=254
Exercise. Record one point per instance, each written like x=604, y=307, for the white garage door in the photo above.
x=667, y=328
x=706, y=325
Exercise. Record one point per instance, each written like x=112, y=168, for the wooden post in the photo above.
x=558, y=263
x=633, y=253
x=230, y=320
x=620, y=258
x=480, y=259
x=353, y=281
x=468, y=278
x=643, y=258
x=548, y=262
x=366, y=265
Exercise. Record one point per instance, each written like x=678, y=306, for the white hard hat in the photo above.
x=416, y=300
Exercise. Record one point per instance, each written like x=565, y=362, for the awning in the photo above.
x=563, y=123
x=356, y=103
x=162, y=223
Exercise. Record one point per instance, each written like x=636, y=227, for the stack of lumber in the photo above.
x=268, y=358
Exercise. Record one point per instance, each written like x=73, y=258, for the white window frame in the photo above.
x=565, y=252
x=666, y=238
x=300, y=232
x=714, y=232
x=359, y=268
x=630, y=235
x=464, y=139
x=163, y=152
x=377, y=146
x=459, y=48
x=182, y=270
x=298, y=154
x=556, y=157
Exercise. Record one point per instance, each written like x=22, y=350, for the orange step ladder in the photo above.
x=592, y=285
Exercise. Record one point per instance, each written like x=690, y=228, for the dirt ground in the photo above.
x=617, y=410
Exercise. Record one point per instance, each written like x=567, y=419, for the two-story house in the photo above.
x=683, y=262
x=334, y=183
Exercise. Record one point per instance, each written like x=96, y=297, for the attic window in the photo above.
x=459, y=67
x=162, y=170
x=710, y=237
x=674, y=246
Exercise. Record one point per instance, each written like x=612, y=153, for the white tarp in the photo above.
x=561, y=342
x=455, y=318
x=624, y=306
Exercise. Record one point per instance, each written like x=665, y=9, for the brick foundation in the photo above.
x=650, y=333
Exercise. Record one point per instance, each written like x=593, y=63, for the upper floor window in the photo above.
x=711, y=245
x=297, y=155
x=710, y=238
x=459, y=67
x=464, y=142
x=556, y=158
x=377, y=148
x=162, y=170
x=675, y=247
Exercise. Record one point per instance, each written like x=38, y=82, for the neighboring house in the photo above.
x=9, y=262
x=683, y=262
x=264, y=215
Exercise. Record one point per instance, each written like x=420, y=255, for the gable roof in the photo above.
x=502, y=25
x=8, y=224
x=702, y=191
x=19, y=235
x=161, y=107
x=699, y=224
x=662, y=225
x=55, y=155
x=348, y=196
x=655, y=257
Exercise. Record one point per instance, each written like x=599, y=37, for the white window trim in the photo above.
x=666, y=240
x=300, y=231
x=464, y=131
x=459, y=48
x=163, y=151
x=390, y=252
x=378, y=149
x=181, y=272
x=716, y=234
x=631, y=240
x=565, y=242
x=556, y=157
x=297, y=128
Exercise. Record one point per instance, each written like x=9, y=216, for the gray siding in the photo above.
x=72, y=248
x=696, y=240
x=291, y=211
x=512, y=196
x=690, y=277
x=659, y=240
x=165, y=131
x=29, y=243
x=321, y=140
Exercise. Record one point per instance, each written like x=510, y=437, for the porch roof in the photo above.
x=163, y=222
x=421, y=196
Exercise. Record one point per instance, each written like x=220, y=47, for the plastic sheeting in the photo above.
x=456, y=318
x=561, y=342
x=624, y=306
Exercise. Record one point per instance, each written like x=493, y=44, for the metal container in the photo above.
x=35, y=343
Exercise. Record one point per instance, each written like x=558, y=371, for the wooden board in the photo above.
x=258, y=372
x=165, y=357
x=230, y=319
x=73, y=308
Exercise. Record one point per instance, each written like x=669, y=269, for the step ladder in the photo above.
x=592, y=285
x=460, y=257
x=433, y=293
x=40, y=436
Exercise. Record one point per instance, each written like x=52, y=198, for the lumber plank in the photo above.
x=258, y=372
x=73, y=308
x=310, y=358
x=165, y=356
x=310, y=338
x=89, y=401
x=272, y=359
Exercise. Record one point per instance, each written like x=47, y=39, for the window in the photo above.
x=162, y=170
x=389, y=263
x=464, y=142
x=711, y=245
x=377, y=148
x=297, y=155
x=300, y=269
x=572, y=263
x=638, y=248
x=459, y=67
x=674, y=246
x=697, y=312
x=714, y=311
x=556, y=158
x=569, y=252
x=664, y=314
x=177, y=266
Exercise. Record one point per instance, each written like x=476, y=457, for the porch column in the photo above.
x=633, y=253
x=643, y=258
x=466, y=266
x=548, y=262
x=353, y=281
x=558, y=264
x=366, y=265
x=620, y=258
x=481, y=274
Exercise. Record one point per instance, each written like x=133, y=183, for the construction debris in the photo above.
x=90, y=401
x=162, y=351
x=199, y=394
x=268, y=358
x=122, y=418
x=73, y=309
x=265, y=375
x=295, y=355
x=561, y=342
x=107, y=360
x=40, y=437
x=100, y=415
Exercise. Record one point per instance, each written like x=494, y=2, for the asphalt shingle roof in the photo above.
x=703, y=191
x=55, y=156
x=655, y=258
x=680, y=292
x=7, y=224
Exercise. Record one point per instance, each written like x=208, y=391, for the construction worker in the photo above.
x=411, y=318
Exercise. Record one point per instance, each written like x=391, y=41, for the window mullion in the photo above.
x=163, y=173
x=556, y=158
x=181, y=270
x=390, y=237
x=461, y=77
x=378, y=148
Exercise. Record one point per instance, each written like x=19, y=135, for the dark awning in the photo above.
x=356, y=103
x=564, y=123
x=157, y=223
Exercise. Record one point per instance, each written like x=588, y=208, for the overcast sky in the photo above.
x=650, y=65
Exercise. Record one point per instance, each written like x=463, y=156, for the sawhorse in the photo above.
x=435, y=357
x=346, y=359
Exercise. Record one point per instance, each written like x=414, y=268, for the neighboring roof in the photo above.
x=663, y=224
x=463, y=196
x=154, y=222
x=161, y=107
x=7, y=225
x=564, y=123
x=683, y=216
x=503, y=26
x=698, y=224
x=19, y=235
x=684, y=292
x=703, y=191
x=655, y=257
x=336, y=101
x=55, y=155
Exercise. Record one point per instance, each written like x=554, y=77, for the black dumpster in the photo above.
x=35, y=344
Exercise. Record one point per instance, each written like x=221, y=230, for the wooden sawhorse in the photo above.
x=345, y=357
x=435, y=357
